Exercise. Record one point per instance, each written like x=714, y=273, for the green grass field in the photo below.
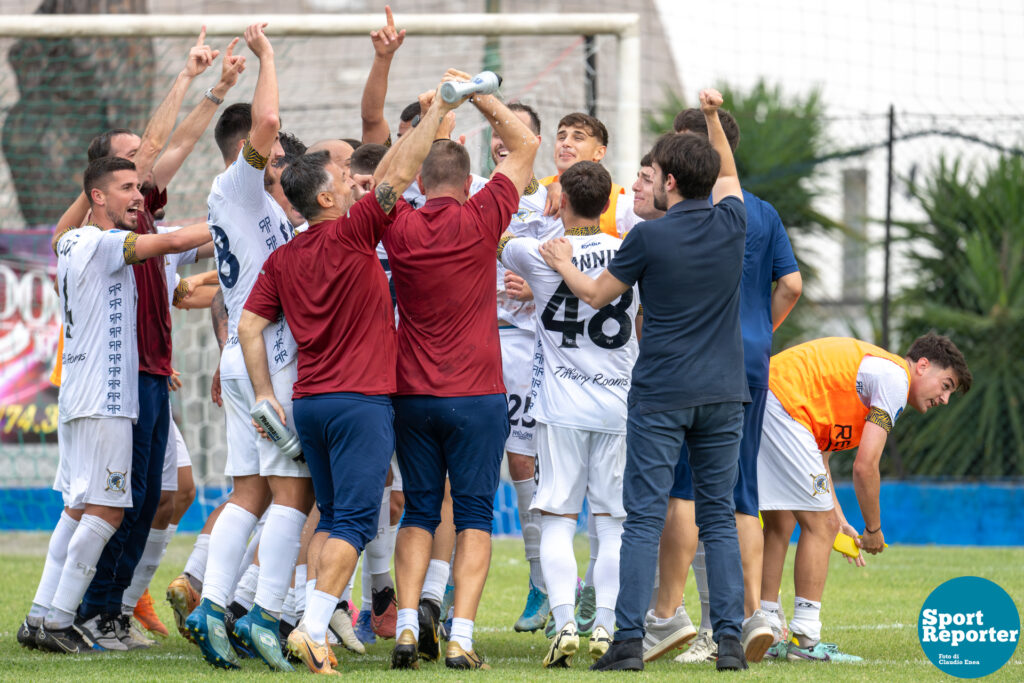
x=871, y=612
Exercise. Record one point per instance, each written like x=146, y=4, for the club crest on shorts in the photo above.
x=116, y=481
x=819, y=482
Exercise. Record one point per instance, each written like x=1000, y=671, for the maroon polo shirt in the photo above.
x=154, y=315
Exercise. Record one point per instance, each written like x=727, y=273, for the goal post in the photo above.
x=624, y=26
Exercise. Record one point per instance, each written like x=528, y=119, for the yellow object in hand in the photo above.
x=846, y=545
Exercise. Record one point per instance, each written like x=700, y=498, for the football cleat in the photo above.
x=535, y=613
x=66, y=641
x=834, y=654
x=405, y=655
x=341, y=626
x=363, y=629
x=586, y=609
x=27, y=635
x=563, y=647
x=316, y=656
x=457, y=658
x=384, y=616
x=131, y=634
x=206, y=624
x=183, y=598
x=777, y=651
x=146, y=614
x=429, y=613
x=812, y=653
x=258, y=631
x=600, y=641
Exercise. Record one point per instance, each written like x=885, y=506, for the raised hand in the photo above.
x=387, y=40
x=258, y=42
x=452, y=75
x=710, y=100
x=200, y=56
x=232, y=65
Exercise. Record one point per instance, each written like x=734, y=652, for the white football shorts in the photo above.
x=575, y=463
x=95, y=462
x=517, y=351
x=790, y=468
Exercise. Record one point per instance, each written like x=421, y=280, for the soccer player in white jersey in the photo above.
x=98, y=397
x=580, y=406
x=247, y=225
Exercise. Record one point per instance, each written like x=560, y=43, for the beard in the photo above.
x=124, y=221
x=660, y=202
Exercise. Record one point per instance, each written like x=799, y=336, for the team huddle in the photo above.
x=617, y=352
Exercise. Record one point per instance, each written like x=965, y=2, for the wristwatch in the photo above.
x=213, y=98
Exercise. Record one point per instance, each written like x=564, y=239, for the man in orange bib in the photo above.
x=827, y=395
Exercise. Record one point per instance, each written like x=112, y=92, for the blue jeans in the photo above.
x=653, y=442
x=122, y=553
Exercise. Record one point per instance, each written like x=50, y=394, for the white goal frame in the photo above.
x=624, y=26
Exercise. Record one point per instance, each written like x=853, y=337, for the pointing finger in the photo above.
x=391, y=17
x=231, y=48
x=202, y=36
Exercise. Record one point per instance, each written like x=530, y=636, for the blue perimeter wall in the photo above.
x=919, y=513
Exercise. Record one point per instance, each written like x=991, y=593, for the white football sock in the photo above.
x=310, y=588
x=279, y=548
x=700, y=575
x=299, y=588
x=152, y=554
x=227, y=541
x=84, y=551
x=408, y=621
x=56, y=554
x=606, y=569
x=251, y=548
x=772, y=610
x=806, y=622
x=245, y=589
x=196, y=564
x=462, y=633
x=558, y=560
x=435, y=581
x=366, y=584
x=288, y=607
x=595, y=543
x=319, y=610
x=529, y=521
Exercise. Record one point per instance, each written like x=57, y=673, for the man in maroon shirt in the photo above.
x=333, y=292
x=450, y=410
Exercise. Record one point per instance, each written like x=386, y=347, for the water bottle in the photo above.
x=484, y=83
x=285, y=439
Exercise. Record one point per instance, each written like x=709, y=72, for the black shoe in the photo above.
x=429, y=614
x=404, y=655
x=730, y=654
x=27, y=635
x=623, y=655
x=233, y=613
x=67, y=641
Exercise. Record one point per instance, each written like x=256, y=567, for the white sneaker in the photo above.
x=341, y=628
x=757, y=636
x=672, y=635
x=100, y=630
x=563, y=646
x=703, y=649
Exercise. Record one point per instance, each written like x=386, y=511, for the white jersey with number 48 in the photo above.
x=96, y=289
x=247, y=224
x=588, y=354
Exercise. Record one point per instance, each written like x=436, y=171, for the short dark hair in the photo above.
x=586, y=122
x=410, y=112
x=447, y=164
x=234, y=124
x=304, y=179
x=292, y=145
x=100, y=169
x=534, y=118
x=365, y=159
x=647, y=160
x=941, y=351
x=691, y=160
x=587, y=186
x=692, y=121
x=100, y=145
x=353, y=143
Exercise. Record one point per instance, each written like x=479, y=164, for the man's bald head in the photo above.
x=340, y=151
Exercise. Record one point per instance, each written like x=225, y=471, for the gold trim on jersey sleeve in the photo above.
x=505, y=239
x=583, y=230
x=532, y=187
x=181, y=291
x=60, y=235
x=253, y=157
x=129, y=249
x=881, y=418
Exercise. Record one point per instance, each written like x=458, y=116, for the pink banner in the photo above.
x=29, y=331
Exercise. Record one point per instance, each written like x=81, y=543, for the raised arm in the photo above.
x=402, y=162
x=161, y=123
x=185, y=136
x=191, y=237
x=386, y=42
x=597, y=293
x=519, y=140
x=728, y=184
x=74, y=217
x=266, y=119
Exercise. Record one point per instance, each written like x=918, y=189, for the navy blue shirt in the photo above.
x=767, y=256
x=689, y=265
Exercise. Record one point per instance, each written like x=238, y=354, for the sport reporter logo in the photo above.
x=969, y=627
